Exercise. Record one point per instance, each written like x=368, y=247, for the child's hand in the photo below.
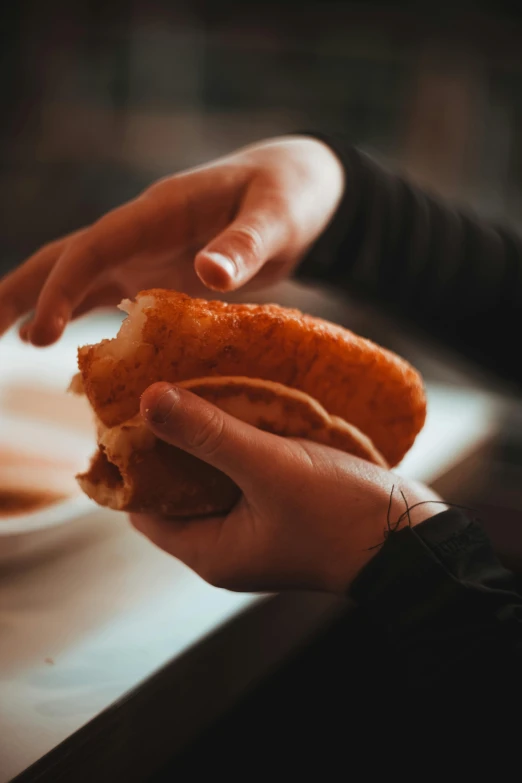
x=248, y=217
x=308, y=517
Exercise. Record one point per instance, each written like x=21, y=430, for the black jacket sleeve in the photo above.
x=455, y=277
x=445, y=606
x=436, y=593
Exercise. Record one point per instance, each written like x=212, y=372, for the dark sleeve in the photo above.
x=444, y=604
x=455, y=277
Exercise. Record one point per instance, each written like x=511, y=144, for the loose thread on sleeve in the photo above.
x=406, y=514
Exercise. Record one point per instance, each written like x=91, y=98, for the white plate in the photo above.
x=38, y=439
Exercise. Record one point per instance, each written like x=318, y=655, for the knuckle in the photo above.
x=207, y=439
x=62, y=289
x=247, y=240
x=83, y=251
x=52, y=250
x=92, y=253
x=303, y=466
x=308, y=455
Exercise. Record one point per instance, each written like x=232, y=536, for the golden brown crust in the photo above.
x=185, y=338
x=133, y=471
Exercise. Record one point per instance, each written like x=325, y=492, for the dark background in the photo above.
x=100, y=99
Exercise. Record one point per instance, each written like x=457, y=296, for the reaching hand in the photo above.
x=247, y=218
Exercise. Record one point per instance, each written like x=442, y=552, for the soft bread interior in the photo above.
x=107, y=480
x=128, y=337
x=131, y=329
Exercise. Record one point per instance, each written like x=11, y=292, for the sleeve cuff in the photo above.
x=418, y=571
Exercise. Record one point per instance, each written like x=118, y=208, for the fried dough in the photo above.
x=282, y=371
x=171, y=337
x=134, y=471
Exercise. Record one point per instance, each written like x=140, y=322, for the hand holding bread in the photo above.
x=272, y=367
x=252, y=442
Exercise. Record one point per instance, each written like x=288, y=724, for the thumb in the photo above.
x=189, y=422
x=259, y=233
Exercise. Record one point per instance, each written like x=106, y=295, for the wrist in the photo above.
x=394, y=506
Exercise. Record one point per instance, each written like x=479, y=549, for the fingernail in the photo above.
x=163, y=407
x=224, y=263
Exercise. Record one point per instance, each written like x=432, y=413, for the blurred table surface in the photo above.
x=98, y=620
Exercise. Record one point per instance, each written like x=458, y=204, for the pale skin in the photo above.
x=245, y=220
